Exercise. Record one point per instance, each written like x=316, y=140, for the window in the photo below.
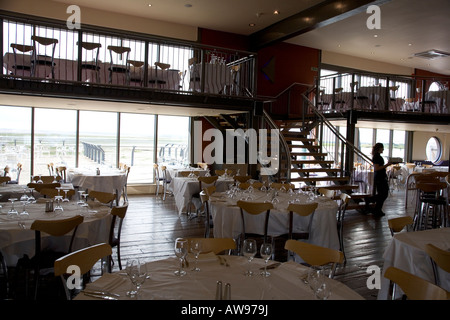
x=434, y=150
x=137, y=136
x=173, y=140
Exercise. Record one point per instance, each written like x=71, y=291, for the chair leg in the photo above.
x=118, y=257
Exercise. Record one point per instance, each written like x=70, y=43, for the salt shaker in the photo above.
x=227, y=294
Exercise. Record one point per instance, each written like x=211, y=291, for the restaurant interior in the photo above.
x=219, y=150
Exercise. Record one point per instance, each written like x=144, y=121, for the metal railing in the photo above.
x=47, y=50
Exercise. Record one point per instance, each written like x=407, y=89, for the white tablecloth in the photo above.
x=284, y=283
x=111, y=181
x=217, y=76
x=228, y=222
x=407, y=252
x=184, y=188
x=16, y=241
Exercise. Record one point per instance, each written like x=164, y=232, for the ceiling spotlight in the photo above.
x=149, y=4
x=375, y=36
x=276, y=12
x=252, y=24
x=188, y=5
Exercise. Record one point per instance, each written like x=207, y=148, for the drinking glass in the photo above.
x=31, y=198
x=137, y=273
x=266, y=252
x=65, y=195
x=196, y=248
x=181, y=249
x=80, y=200
x=249, y=251
x=12, y=213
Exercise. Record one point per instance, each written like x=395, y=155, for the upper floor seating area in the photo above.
x=36, y=50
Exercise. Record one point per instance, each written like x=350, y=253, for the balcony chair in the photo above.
x=22, y=63
x=159, y=79
x=136, y=73
x=43, y=66
x=122, y=70
x=90, y=70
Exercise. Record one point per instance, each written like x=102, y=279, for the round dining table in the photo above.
x=17, y=239
x=285, y=282
x=228, y=222
x=106, y=180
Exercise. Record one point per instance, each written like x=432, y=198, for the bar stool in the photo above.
x=431, y=201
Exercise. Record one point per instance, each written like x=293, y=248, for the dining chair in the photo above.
x=5, y=180
x=61, y=172
x=440, y=258
x=249, y=210
x=40, y=63
x=45, y=258
x=136, y=72
x=303, y=210
x=53, y=192
x=166, y=181
x=40, y=186
x=18, y=171
x=215, y=245
x=126, y=169
x=5, y=275
x=398, y=224
x=22, y=63
x=90, y=70
x=157, y=177
x=205, y=196
x=51, y=169
x=159, y=80
x=116, y=68
x=241, y=179
x=314, y=255
x=326, y=192
x=103, y=197
x=47, y=179
x=84, y=259
x=204, y=182
x=432, y=205
x=414, y=287
x=117, y=213
x=344, y=201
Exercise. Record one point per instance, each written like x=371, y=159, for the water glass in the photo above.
x=181, y=249
x=196, y=248
x=137, y=274
x=249, y=251
x=266, y=252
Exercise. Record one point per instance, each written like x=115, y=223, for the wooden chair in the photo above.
x=61, y=172
x=85, y=259
x=303, y=210
x=18, y=171
x=215, y=245
x=257, y=185
x=102, y=197
x=89, y=65
x=47, y=179
x=123, y=69
x=166, y=181
x=326, y=192
x=117, y=212
x=204, y=197
x=241, y=179
x=40, y=63
x=44, y=259
x=40, y=186
x=253, y=209
x=414, y=287
x=53, y=192
x=398, y=224
x=440, y=258
x=430, y=199
x=22, y=66
x=158, y=177
x=195, y=198
x=315, y=255
x=4, y=179
x=244, y=185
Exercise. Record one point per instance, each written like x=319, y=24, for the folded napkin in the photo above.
x=108, y=282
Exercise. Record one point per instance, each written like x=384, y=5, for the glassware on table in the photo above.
x=24, y=196
x=12, y=213
x=40, y=180
x=65, y=195
x=249, y=251
x=24, y=214
x=266, y=253
x=318, y=283
x=181, y=250
x=31, y=198
x=196, y=248
x=80, y=199
x=137, y=274
x=58, y=200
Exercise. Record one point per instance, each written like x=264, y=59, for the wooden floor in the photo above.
x=152, y=225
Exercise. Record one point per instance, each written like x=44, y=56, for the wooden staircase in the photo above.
x=309, y=164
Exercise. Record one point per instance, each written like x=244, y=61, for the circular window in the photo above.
x=434, y=150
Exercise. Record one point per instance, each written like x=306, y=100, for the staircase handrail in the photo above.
x=273, y=125
x=336, y=132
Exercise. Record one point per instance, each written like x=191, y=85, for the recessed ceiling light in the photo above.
x=149, y=4
x=410, y=44
x=252, y=24
x=276, y=12
x=188, y=5
x=375, y=36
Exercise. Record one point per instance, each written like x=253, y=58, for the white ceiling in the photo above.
x=407, y=26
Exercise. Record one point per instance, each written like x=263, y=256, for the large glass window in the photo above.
x=137, y=138
x=15, y=141
x=54, y=138
x=98, y=139
x=398, y=144
x=434, y=150
x=173, y=140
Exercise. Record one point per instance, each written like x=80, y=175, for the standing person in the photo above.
x=380, y=179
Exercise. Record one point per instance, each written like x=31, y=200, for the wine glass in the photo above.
x=31, y=198
x=65, y=195
x=181, y=249
x=249, y=251
x=137, y=274
x=58, y=199
x=80, y=200
x=12, y=213
x=266, y=252
x=196, y=248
